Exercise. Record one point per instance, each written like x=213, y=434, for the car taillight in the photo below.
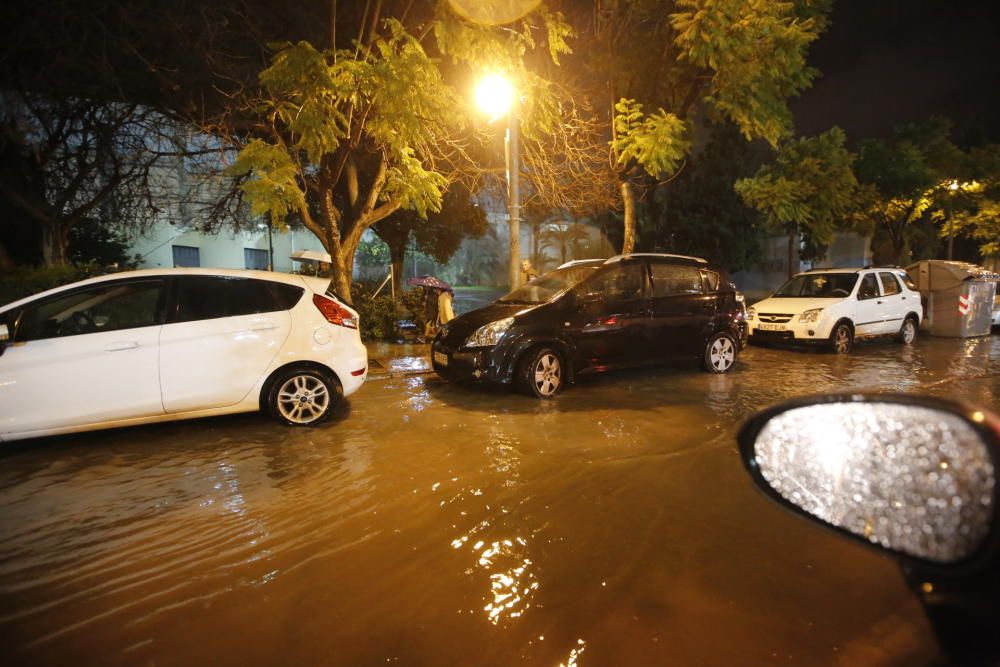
x=334, y=313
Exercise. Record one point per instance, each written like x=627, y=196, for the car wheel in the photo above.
x=841, y=339
x=302, y=397
x=720, y=353
x=543, y=374
x=908, y=332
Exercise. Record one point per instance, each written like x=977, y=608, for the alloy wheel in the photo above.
x=303, y=399
x=909, y=332
x=547, y=374
x=842, y=340
x=722, y=354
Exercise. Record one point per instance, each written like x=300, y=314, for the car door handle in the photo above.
x=124, y=345
x=903, y=298
x=879, y=302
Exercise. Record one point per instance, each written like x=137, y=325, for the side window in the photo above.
x=890, y=285
x=285, y=296
x=869, y=287
x=711, y=280
x=107, y=307
x=676, y=280
x=210, y=297
x=621, y=283
x=910, y=285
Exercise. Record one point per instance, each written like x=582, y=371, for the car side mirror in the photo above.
x=912, y=476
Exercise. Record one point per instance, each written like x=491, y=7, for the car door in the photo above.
x=869, y=312
x=83, y=356
x=894, y=303
x=608, y=316
x=680, y=310
x=221, y=335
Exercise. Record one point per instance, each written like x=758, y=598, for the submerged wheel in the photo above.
x=542, y=373
x=720, y=353
x=302, y=397
x=841, y=339
x=908, y=332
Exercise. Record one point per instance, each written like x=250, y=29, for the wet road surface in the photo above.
x=432, y=525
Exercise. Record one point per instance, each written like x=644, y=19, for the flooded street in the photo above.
x=433, y=525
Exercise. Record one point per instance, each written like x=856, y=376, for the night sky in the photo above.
x=887, y=62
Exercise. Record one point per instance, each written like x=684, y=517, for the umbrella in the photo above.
x=430, y=281
x=311, y=256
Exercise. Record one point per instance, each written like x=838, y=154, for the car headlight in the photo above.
x=811, y=315
x=489, y=334
x=751, y=313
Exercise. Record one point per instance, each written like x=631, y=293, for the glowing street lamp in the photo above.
x=495, y=96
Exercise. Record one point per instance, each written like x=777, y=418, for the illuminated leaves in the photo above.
x=658, y=141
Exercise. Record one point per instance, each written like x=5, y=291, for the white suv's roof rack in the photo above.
x=618, y=258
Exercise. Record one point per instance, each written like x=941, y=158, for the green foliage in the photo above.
x=810, y=186
x=372, y=252
x=378, y=315
x=755, y=51
x=272, y=187
x=976, y=201
x=658, y=141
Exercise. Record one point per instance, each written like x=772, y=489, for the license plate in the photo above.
x=771, y=327
x=441, y=358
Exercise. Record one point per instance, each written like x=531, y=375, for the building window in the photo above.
x=186, y=255
x=255, y=258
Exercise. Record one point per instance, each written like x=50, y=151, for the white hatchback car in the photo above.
x=159, y=345
x=836, y=306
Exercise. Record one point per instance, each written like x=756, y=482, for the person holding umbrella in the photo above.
x=437, y=302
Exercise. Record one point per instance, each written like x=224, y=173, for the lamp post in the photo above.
x=951, y=217
x=495, y=96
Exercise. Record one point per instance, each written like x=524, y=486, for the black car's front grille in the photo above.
x=775, y=318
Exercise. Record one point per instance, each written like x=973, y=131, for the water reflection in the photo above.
x=240, y=542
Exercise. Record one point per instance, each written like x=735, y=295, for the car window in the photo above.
x=210, y=297
x=676, y=279
x=869, y=287
x=107, y=307
x=905, y=277
x=890, y=285
x=711, y=281
x=823, y=285
x=620, y=283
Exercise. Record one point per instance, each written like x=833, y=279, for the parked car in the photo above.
x=835, y=307
x=593, y=316
x=159, y=345
x=915, y=478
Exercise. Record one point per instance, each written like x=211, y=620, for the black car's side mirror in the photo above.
x=4, y=337
x=913, y=477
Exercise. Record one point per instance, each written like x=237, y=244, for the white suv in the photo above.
x=835, y=306
x=159, y=345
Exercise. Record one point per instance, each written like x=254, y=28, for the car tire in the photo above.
x=841, y=338
x=302, y=397
x=907, y=332
x=720, y=353
x=542, y=373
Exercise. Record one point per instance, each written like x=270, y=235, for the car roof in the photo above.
x=289, y=278
x=857, y=269
x=581, y=262
x=656, y=255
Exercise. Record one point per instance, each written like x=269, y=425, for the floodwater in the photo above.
x=432, y=525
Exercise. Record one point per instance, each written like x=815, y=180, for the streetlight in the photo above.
x=495, y=96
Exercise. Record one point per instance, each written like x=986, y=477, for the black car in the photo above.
x=591, y=316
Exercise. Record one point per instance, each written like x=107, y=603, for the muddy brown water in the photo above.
x=432, y=525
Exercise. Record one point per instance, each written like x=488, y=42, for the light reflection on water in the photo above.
x=374, y=536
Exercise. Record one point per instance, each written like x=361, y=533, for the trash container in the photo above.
x=958, y=297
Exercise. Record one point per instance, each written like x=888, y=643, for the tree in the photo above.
x=905, y=180
x=701, y=214
x=567, y=238
x=809, y=188
x=438, y=236
x=350, y=136
x=64, y=161
x=975, y=202
x=653, y=67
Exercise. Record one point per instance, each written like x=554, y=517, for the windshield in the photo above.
x=823, y=285
x=547, y=286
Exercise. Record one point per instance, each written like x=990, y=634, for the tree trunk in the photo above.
x=793, y=252
x=397, y=253
x=55, y=238
x=628, y=199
